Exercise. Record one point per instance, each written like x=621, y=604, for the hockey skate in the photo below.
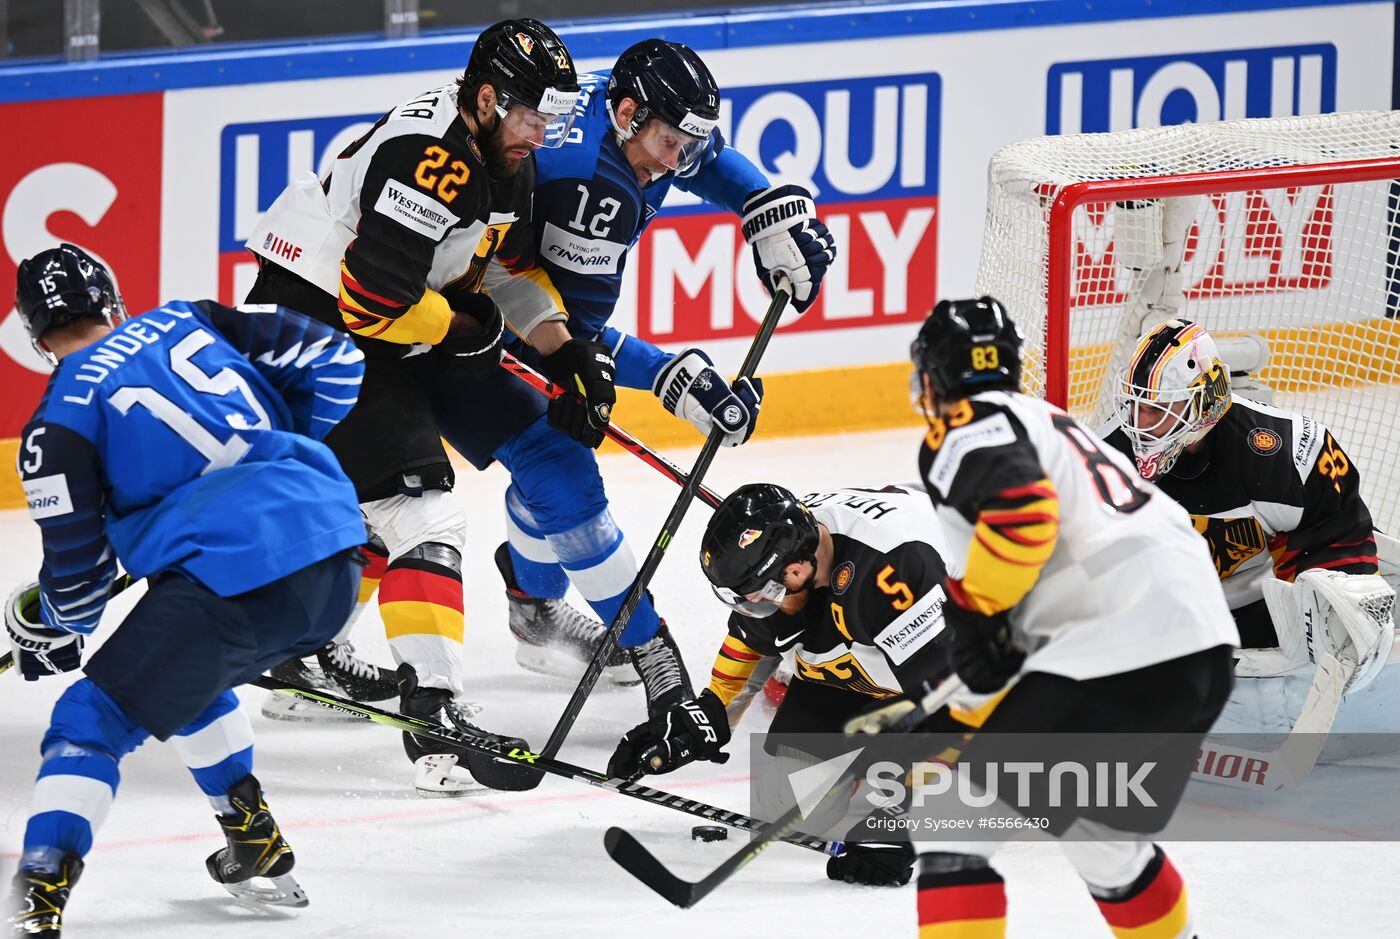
x=554, y=638
x=256, y=849
x=435, y=760
x=338, y=671
x=658, y=661
x=38, y=898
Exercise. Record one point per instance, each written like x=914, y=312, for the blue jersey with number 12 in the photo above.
x=184, y=441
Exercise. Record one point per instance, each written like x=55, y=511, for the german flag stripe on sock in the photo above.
x=373, y=572
x=419, y=597
x=968, y=904
x=1153, y=908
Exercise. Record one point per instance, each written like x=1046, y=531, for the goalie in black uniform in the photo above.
x=1278, y=501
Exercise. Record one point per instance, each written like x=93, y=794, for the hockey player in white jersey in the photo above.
x=849, y=582
x=1078, y=594
x=1278, y=502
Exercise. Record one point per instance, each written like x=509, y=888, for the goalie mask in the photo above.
x=755, y=533
x=1174, y=390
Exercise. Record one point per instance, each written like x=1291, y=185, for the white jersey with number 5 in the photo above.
x=1127, y=583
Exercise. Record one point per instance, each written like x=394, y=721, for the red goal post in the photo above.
x=1280, y=236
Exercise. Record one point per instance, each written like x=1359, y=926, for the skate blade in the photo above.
x=554, y=663
x=269, y=891
x=435, y=779
x=285, y=708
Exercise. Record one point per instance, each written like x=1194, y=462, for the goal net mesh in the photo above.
x=1281, y=234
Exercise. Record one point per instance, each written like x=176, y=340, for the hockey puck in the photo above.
x=709, y=833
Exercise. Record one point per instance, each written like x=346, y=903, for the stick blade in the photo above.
x=632, y=857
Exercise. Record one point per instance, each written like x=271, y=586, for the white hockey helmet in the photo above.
x=1174, y=390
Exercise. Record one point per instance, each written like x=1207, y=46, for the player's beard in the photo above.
x=493, y=148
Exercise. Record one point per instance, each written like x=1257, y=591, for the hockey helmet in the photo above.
x=675, y=91
x=536, y=84
x=1173, y=391
x=755, y=533
x=60, y=286
x=967, y=346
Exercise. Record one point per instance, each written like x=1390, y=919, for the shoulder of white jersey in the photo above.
x=879, y=518
x=1265, y=432
x=430, y=113
x=997, y=419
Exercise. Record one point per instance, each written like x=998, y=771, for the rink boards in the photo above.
x=162, y=165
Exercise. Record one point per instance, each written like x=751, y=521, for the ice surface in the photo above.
x=377, y=861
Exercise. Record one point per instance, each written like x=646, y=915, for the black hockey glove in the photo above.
x=39, y=651
x=690, y=731
x=584, y=369
x=782, y=226
x=873, y=863
x=473, y=343
x=981, y=652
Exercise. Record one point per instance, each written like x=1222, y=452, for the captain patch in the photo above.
x=1264, y=442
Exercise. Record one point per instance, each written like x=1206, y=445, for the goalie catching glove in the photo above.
x=39, y=651
x=690, y=731
x=585, y=370
x=1348, y=616
x=788, y=239
x=689, y=387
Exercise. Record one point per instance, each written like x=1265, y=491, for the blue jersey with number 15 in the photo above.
x=184, y=441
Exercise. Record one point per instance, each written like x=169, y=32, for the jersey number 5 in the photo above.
x=219, y=453
x=1117, y=490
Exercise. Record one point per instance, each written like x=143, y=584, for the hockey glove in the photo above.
x=39, y=651
x=689, y=387
x=585, y=370
x=690, y=731
x=788, y=239
x=873, y=863
x=473, y=343
x=981, y=651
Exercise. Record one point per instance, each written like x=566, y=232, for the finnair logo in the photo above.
x=1105, y=95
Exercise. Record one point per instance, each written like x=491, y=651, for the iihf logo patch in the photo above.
x=841, y=578
x=749, y=536
x=1264, y=442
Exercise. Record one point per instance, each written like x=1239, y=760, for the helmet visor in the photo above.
x=546, y=125
x=672, y=148
x=758, y=604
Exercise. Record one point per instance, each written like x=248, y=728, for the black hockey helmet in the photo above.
x=60, y=286
x=967, y=346
x=758, y=530
x=669, y=82
x=528, y=65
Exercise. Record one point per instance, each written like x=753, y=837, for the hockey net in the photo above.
x=1280, y=236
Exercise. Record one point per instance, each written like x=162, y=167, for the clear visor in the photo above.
x=1157, y=423
x=758, y=604
x=546, y=126
x=672, y=148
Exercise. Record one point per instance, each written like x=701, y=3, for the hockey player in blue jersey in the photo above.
x=641, y=128
x=184, y=445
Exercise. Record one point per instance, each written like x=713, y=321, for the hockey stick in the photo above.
x=628, y=852
x=614, y=433
x=1288, y=766
x=122, y=581
x=658, y=550
x=489, y=747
